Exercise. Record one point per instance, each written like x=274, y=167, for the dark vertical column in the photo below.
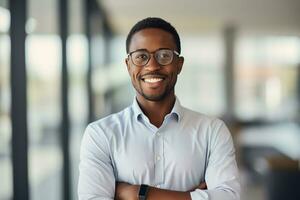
x=65, y=126
x=19, y=100
x=298, y=95
x=107, y=38
x=96, y=22
x=229, y=39
x=88, y=14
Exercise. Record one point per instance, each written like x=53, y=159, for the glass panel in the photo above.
x=266, y=76
x=5, y=120
x=43, y=57
x=77, y=52
x=111, y=83
x=202, y=76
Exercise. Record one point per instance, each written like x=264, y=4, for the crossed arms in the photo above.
x=97, y=178
x=125, y=191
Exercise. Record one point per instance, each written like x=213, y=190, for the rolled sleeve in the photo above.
x=96, y=174
x=221, y=175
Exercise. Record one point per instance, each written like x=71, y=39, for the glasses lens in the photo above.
x=164, y=56
x=140, y=58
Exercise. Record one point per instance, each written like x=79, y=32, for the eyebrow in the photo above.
x=152, y=51
x=140, y=50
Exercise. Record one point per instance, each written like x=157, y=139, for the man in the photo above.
x=156, y=149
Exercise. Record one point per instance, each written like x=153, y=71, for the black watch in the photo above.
x=143, y=192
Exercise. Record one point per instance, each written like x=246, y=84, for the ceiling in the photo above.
x=188, y=16
x=193, y=16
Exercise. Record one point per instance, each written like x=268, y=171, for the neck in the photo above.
x=156, y=110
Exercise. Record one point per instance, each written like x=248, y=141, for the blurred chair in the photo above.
x=282, y=179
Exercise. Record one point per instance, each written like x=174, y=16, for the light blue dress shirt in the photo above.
x=187, y=149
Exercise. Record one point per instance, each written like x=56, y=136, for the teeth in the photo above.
x=153, y=80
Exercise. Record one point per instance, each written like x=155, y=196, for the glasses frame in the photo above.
x=173, y=51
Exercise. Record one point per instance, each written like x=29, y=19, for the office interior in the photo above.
x=62, y=66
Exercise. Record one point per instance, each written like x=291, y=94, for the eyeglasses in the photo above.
x=162, y=56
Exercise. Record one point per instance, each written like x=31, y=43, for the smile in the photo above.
x=152, y=80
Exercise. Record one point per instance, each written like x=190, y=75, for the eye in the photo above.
x=165, y=55
x=141, y=56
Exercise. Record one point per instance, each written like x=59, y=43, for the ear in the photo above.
x=180, y=64
x=127, y=64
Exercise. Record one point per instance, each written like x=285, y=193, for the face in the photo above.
x=153, y=81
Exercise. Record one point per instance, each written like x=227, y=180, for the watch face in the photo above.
x=143, y=192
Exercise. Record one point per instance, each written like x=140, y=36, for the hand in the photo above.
x=126, y=191
x=202, y=186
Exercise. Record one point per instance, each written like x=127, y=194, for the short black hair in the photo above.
x=153, y=22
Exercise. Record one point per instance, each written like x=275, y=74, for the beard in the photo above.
x=156, y=97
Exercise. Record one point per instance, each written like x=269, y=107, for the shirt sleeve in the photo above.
x=96, y=174
x=221, y=175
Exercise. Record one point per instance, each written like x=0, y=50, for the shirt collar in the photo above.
x=137, y=111
x=177, y=110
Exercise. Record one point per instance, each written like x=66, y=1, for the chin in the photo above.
x=157, y=97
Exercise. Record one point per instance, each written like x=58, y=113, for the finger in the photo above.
x=203, y=186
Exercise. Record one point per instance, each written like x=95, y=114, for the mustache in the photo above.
x=152, y=74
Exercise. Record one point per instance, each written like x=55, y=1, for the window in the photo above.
x=77, y=54
x=201, y=82
x=43, y=62
x=5, y=120
x=266, y=77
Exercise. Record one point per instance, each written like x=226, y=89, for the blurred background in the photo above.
x=62, y=66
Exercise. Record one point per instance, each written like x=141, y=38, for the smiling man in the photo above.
x=156, y=149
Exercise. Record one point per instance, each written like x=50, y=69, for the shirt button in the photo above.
x=158, y=134
x=157, y=158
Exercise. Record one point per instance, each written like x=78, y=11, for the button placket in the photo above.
x=159, y=160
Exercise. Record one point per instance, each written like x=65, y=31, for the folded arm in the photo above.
x=125, y=191
x=221, y=176
x=96, y=174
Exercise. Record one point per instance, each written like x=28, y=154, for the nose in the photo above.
x=152, y=64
